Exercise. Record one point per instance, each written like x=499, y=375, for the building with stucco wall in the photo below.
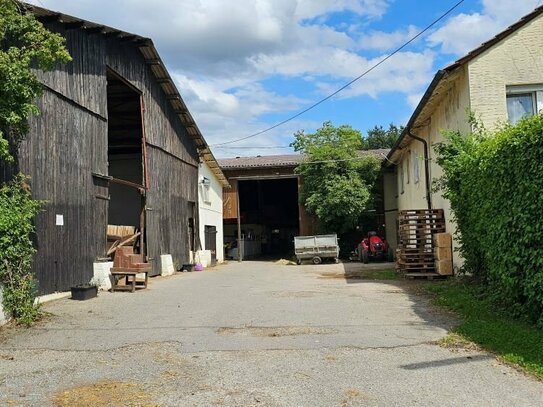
x=210, y=206
x=502, y=80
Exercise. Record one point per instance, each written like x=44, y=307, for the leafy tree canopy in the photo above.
x=24, y=44
x=378, y=137
x=337, y=182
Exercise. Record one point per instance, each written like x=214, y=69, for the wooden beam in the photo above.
x=155, y=61
x=74, y=25
x=49, y=18
x=94, y=30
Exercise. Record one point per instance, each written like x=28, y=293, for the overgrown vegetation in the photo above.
x=489, y=326
x=16, y=249
x=24, y=44
x=337, y=183
x=494, y=184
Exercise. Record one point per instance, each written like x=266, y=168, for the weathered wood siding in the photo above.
x=169, y=207
x=68, y=142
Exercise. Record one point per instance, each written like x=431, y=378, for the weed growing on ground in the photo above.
x=489, y=325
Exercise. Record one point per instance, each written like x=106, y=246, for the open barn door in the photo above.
x=126, y=166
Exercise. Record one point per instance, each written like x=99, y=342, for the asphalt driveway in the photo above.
x=253, y=334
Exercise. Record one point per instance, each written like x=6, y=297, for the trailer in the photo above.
x=316, y=248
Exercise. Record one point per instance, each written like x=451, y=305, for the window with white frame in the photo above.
x=416, y=174
x=523, y=101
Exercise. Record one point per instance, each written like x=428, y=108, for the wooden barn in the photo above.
x=114, y=145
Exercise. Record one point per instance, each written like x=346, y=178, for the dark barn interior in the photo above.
x=125, y=153
x=269, y=217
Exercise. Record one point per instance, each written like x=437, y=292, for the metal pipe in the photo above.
x=426, y=168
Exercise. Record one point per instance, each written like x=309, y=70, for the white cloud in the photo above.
x=312, y=8
x=384, y=41
x=464, y=32
x=414, y=99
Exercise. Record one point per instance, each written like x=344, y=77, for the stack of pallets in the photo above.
x=416, y=244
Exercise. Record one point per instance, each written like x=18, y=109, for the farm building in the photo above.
x=210, y=192
x=262, y=208
x=115, y=151
x=500, y=81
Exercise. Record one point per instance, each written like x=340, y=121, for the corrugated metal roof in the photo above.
x=158, y=68
x=277, y=161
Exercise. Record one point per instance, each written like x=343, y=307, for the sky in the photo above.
x=243, y=66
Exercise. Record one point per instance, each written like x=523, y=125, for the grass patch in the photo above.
x=388, y=274
x=105, y=393
x=488, y=326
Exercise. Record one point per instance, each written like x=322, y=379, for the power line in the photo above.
x=347, y=84
x=252, y=147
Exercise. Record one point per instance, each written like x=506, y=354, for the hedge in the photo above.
x=495, y=185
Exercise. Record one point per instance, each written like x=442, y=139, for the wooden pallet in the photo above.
x=416, y=246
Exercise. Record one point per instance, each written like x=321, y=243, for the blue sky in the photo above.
x=243, y=66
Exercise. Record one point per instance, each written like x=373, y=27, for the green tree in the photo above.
x=25, y=45
x=337, y=182
x=378, y=137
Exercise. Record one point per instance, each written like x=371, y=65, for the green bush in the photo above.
x=495, y=185
x=17, y=211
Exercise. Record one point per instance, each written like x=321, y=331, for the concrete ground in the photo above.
x=253, y=334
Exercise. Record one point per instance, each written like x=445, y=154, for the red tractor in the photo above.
x=374, y=248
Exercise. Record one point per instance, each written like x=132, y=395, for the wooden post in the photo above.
x=239, y=224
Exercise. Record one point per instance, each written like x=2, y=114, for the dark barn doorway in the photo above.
x=126, y=161
x=269, y=217
x=210, y=233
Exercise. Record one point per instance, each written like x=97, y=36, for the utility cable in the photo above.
x=450, y=10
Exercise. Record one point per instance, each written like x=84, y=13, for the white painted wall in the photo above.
x=516, y=60
x=450, y=113
x=210, y=207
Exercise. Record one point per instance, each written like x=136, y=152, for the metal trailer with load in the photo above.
x=316, y=248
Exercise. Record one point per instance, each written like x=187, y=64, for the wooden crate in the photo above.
x=442, y=240
x=443, y=253
x=444, y=267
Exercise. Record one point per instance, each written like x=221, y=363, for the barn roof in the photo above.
x=278, y=161
x=152, y=58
